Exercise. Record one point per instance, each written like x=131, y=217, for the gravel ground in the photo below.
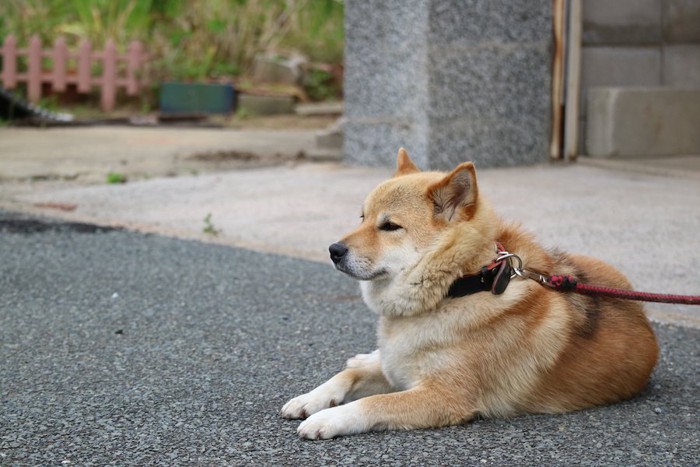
x=120, y=348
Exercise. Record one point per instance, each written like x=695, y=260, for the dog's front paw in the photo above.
x=297, y=407
x=330, y=423
x=324, y=396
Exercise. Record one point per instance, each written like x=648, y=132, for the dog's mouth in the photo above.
x=357, y=267
x=360, y=275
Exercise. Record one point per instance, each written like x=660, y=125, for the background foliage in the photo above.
x=188, y=39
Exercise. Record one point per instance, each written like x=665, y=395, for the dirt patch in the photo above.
x=209, y=161
x=277, y=122
x=224, y=156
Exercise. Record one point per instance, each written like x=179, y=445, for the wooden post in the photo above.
x=84, y=59
x=109, y=76
x=34, y=70
x=60, y=56
x=133, y=62
x=573, y=78
x=555, y=141
x=9, y=62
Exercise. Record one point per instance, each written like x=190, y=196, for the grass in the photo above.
x=114, y=178
x=188, y=39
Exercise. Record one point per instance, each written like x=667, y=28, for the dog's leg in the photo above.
x=363, y=376
x=420, y=407
x=363, y=359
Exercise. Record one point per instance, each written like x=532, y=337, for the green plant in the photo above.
x=49, y=102
x=196, y=39
x=97, y=20
x=100, y=20
x=209, y=228
x=242, y=113
x=116, y=177
x=319, y=85
x=186, y=39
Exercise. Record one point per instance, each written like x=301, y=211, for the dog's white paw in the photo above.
x=299, y=407
x=363, y=359
x=330, y=423
x=325, y=396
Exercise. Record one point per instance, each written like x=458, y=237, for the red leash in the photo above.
x=570, y=284
x=566, y=283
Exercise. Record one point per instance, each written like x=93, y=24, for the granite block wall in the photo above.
x=386, y=78
x=450, y=80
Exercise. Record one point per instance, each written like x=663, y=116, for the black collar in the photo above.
x=494, y=277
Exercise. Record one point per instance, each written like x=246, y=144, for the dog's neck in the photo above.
x=423, y=287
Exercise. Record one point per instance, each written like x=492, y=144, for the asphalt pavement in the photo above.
x=135, y=330
x=124, y=348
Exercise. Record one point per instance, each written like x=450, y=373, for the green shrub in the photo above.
x=187, y=39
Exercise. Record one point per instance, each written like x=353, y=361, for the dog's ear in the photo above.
x=404, y=164
x=456, y=193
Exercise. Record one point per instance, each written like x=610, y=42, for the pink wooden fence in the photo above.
x=60, y=76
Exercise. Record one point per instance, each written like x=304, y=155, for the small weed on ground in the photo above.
x=209, y=227
x=116, y=177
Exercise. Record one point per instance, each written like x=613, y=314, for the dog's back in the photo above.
x=598, y=350
x=611, y=350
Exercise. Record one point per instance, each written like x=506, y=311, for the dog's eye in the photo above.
x=389, y=226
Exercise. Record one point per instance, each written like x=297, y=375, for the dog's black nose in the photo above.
x=338, y=250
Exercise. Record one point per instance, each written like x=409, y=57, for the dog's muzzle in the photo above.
x=344, y=261
x=338, y=252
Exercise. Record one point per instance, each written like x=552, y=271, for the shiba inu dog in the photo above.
x=457, y=336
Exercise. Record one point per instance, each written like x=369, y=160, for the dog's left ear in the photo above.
x=455, y=195
x=404, y=164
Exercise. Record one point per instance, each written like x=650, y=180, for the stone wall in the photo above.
x=450, y=80
x=385, y=82
x=633, y=43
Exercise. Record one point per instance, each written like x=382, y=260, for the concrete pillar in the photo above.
x=450, y=80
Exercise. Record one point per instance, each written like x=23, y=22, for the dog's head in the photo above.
x=406, y=217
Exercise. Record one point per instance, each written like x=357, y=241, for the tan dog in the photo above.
x=443, y=358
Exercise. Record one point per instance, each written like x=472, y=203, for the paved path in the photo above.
x=121, y=348
x=87, y=155
x=644, y=224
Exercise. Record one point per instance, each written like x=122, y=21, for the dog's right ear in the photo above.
x=404, y=164
x=455, y=196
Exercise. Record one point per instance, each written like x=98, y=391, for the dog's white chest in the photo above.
x=398, y=366
x=409, y=351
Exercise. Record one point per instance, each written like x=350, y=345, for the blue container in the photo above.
x=197, y=98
